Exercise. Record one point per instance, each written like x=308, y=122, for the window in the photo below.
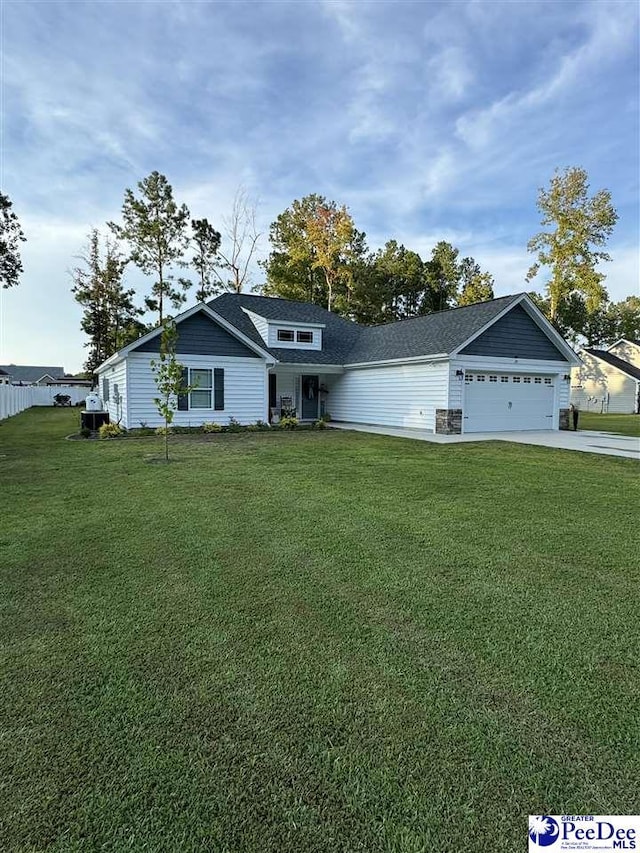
x=537, y=380
x=207, y=387
x=516, y=379
x=547, y=380
x=493, y=379
x=105, y=390
x=468, y=377
x=527, y=380
x=304, y=337
x=285, y=335
x=479, y=378
x=504, y=379
x=200, y=380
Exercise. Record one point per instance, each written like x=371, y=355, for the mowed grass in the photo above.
x=622, y=424
x=322, y=641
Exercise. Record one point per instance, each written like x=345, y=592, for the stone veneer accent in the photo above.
x=564, y=419
x=449, y=421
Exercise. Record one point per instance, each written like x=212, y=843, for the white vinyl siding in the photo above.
x=627, y=351
x=288, y=385
x=262, y=326
x=597, y=386
x=245, y=391
x=404, y=395
x=116, y=376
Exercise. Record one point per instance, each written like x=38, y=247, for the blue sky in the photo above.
x=428, y=120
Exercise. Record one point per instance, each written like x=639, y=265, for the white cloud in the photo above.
x=609, y=36
x=430, y=121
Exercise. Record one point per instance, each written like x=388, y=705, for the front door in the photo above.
x=310, y=385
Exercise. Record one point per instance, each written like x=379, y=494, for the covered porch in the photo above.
x=300, y=391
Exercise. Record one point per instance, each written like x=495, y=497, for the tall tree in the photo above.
x=241, y=234
x=628, y=313
x=442, y=276
x=315, y=247
x=476, y=286
x=154, y=226
x=206, y=241
x=573, y=245
x=11, y=235
x=110, y=318
x=388, y=285
x=613, y=321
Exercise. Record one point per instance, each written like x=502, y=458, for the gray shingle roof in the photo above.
x=338, y=335
x=614, y=361
x=28, y=373
x=431, y=334
x=345, y=342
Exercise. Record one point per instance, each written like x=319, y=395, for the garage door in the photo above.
x=504, y=401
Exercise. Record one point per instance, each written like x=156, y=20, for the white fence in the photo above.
x=17, y=398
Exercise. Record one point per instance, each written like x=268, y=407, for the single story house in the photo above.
x=497, y=365
x=608, y=380
x=24, y=374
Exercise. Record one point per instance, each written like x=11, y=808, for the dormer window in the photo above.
x=296, y=338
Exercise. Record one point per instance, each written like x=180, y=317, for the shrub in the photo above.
x=163, y=430
x=321, y=424
x=110, y=431
x=288, y=423
x=326, y=417
x=212, y=426
x=234, y=426
x=85, y=432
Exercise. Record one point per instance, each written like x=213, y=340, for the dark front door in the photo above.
x=310, y=386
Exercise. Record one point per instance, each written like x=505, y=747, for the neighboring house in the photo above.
x=492, y=366
x=28, y=375
x=627, y=350
x=608, y=380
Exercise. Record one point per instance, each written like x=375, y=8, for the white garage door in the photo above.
x=504, y=401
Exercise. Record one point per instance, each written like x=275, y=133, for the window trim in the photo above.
x=200, y=389
x=215, y=389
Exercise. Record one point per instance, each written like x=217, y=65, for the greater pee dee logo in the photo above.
x=583, y=832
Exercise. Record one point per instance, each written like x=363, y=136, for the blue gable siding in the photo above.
x=515, y=336
x=200, y=335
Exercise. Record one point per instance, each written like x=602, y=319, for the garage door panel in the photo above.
x=495, y=402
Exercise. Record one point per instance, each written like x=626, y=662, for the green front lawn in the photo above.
x=322, y=641
x=622, y=424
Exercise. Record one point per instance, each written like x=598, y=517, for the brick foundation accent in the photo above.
x=448, y=421
x=564, y=419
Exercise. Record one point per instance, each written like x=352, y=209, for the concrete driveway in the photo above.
x=586, y=441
